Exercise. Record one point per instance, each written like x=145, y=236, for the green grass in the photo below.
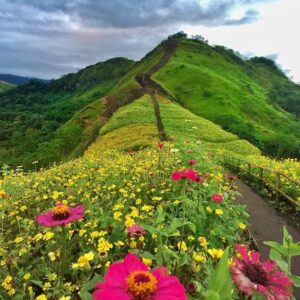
x=219, y=89
x=139, y=112
x=123, y=90
x=4, y=86
x=185, y=126
x=131, y=127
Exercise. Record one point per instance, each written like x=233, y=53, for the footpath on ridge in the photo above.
x=266, y=225
x=151, y=87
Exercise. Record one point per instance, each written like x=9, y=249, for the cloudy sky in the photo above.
x=50, y=38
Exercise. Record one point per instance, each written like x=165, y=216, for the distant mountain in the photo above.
x=17, y=80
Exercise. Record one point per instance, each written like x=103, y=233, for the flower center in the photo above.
x=141, y=285
x=256, y=273
x=61, y=212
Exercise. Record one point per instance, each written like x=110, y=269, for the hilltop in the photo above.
x=249, y=98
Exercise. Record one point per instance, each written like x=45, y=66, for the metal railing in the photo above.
x=276, y=186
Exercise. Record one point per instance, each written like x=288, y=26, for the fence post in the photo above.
x=278, y=188
x=249, y=172
x=261, y=177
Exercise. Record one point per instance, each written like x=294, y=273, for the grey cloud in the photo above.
x=49, y=38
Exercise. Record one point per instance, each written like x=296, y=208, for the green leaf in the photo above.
x=295, y=249
x=192, y=226
x=85, y=296
x=38, y=283
x=287, y=238
x=220, y=280
x=160, y=215
x=277, y=257
x=151, y=229
x=278, y=247
x=88, y=286
x=176, y=223
x=296, y=280
x=211, y=295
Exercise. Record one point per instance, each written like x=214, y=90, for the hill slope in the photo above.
x=32, y=114
x=4, y=86
x=218, y=85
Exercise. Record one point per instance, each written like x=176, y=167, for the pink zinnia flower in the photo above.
x=135, y=230
x=190, y=174
x=176, y=175
x=200, y=179
x=60, y=215
x=250, y=275
x=192, y=162
x=160, y=145
x=217, y=198
x=132, y=280
x=187, y=173
x=232, y=177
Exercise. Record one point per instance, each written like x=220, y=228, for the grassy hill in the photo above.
x=4, y=86
x=58, y=120
x=214, y=83
x=32, y=115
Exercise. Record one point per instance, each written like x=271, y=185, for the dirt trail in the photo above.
x=266, y=224
x=151, y=87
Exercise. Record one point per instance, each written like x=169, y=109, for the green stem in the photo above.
x=63, y=249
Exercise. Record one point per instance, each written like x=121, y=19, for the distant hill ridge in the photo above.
x=252, y=99
x=17, y=80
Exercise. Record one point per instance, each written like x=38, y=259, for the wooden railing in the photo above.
x=275, y=186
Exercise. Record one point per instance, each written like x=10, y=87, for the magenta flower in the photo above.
x=132, y=280
x=217, y=198
x=135, y=230
x=160, y=145
x=192, y=162
x=187, y=174
x=60, y=215
x=250, y=275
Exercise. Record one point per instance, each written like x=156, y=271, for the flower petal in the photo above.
x=242, y=281
x=133, y=263
x=110, y=294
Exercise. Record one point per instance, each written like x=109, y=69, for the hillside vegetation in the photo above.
x=214, y=83
x=4, y=86
x=32, y=115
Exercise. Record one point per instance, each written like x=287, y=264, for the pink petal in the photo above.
x=116, y=276
x=111, y=294
x=254, y=256
x=168, y=287
x=242, y=281
x=241, y=249
x=281, y=293
x=176, y=176
x=269, y=265
x=133, y=263
x=262, y=289
x=280, y=278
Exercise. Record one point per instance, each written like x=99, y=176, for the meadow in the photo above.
x=142, y=205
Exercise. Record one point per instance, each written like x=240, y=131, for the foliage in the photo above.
x=215, y=83
x=132, y=188
x=4, y=86
x=184, y=125
x=284, y=253
x=32, y=114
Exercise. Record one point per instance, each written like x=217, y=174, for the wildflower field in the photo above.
x=64, y=229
